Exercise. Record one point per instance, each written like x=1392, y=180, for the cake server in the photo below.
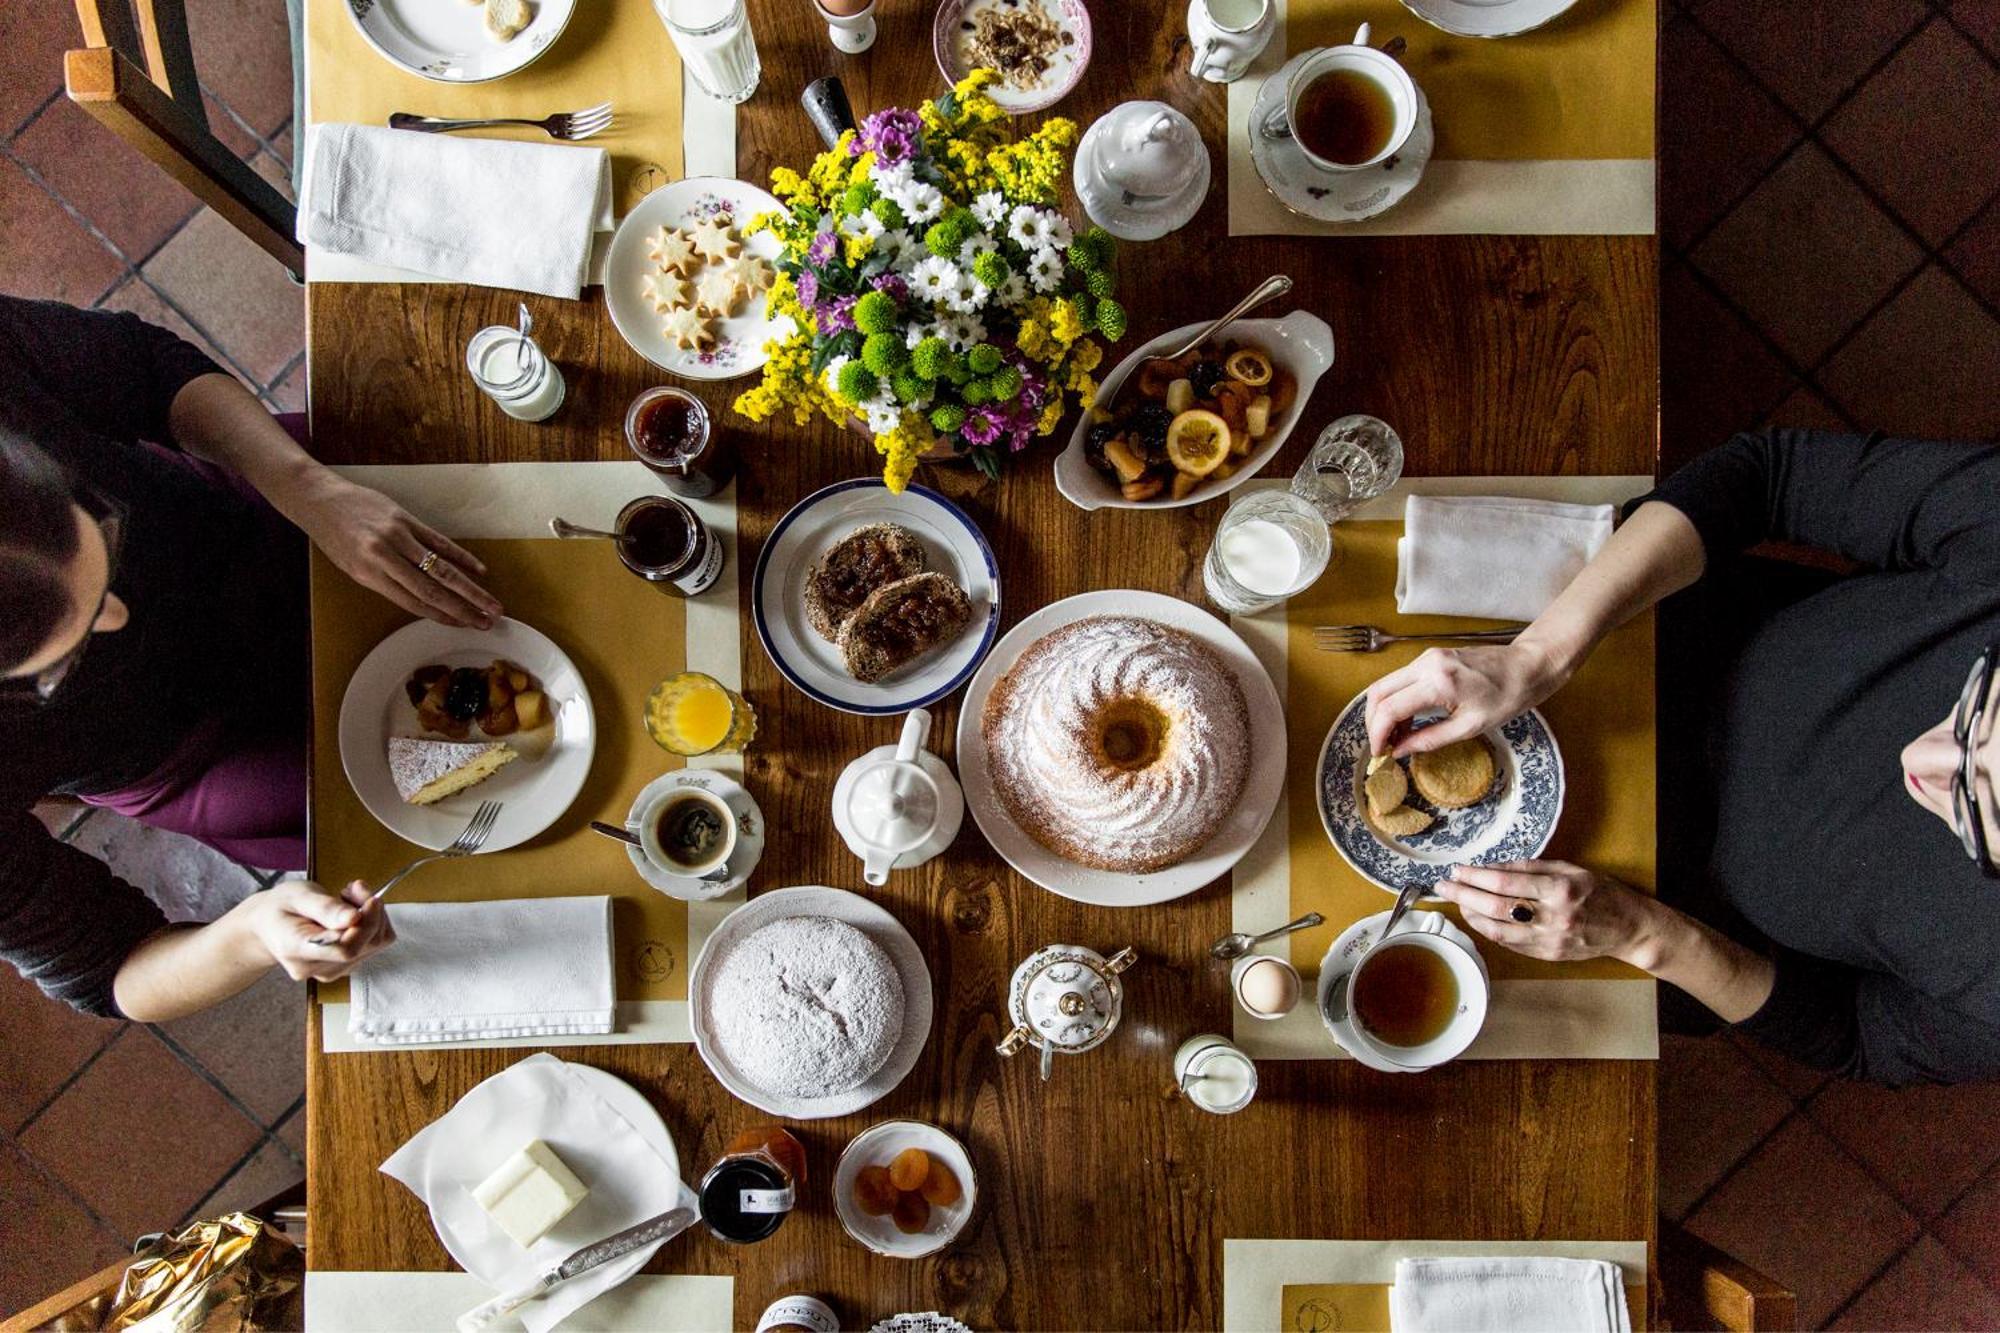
x=664, y=1226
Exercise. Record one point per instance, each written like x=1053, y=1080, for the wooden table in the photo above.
x=1103, y=1206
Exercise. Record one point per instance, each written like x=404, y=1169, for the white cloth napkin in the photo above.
x=1492, y=556
x=539, y=1098
x=1505, y=1294
x=529, y=967
x=486, y=211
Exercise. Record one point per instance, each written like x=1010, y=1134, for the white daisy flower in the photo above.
x=915, y=334
x=977, y=246
x=924, y=203
x=833, y=369
x=1037, y=229
x=990, y=209
x=1012, y=293
x=967, y=294
x=1045, y=270
x=934, y=279
x=862, y=224
x=891, y=178
x=963, y=332
x=1060, y=234
x=1018, y=222
x=882, y=417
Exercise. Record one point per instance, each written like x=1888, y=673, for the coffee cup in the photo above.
x=687, y=831
x=1224, y=36
x=1417, y=998
x=1346, y=107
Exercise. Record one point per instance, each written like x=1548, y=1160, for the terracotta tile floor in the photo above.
x=1816, y=271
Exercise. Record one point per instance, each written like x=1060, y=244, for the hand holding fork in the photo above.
x=465, y=844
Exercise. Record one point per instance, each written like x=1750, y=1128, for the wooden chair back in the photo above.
x=1703, y=1288
x=136, y=75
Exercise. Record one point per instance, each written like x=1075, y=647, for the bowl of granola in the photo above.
x=1037, y=48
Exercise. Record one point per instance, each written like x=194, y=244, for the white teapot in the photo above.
x=898, y=805
x=1065, y=998
x=1142, y=170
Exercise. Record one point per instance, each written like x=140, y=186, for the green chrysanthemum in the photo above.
x=1111, y=319
x=875, y=312
x=908, y=387
x=1100, y=283
x=1005, y=383
x=984, y=359
x=1086, y=309
x=990, y=268
x=947, y=417
x=931, y=358
x=858, y=196
x=886, y=211
x=857, y=383
x=976, y=392
x=884, y=354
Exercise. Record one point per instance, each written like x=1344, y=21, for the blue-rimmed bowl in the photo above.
x=1513, y=823
x=954, y=546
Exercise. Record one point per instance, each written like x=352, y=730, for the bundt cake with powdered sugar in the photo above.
x=1118, y=742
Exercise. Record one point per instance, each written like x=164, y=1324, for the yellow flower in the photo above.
x=1064, y=323
x=902, y=447
x=1086, y=355
x=858, y=248
x=1033, y=339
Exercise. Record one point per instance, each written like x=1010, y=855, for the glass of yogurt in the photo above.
x=716, y=45
x=1271, y=545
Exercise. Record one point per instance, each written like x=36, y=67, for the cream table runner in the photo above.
x=361, y=1302
x=1604, y=724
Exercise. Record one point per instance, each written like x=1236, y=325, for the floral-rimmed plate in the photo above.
x=449, y=43
x=749, y=835
x=740, y=338
x=1488, y=18
x=953, y=22
x=1513, y=823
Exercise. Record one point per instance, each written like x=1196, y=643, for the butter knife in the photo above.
x=615, y=1246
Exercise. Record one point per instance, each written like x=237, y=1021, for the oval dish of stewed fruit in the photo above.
x=1183, y=423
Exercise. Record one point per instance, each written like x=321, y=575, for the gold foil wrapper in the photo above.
x=231, y=1275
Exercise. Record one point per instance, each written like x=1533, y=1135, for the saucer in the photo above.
x=749, y=836
x=1340, y=960
x=1334, y=196
x=1488, y=18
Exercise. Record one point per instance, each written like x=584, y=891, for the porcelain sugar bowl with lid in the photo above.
x=1142, y=170
x=898, y=805
x=1065, y=999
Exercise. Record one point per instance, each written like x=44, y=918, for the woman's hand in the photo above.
x=1554, y=910
x=1476, y=688
x=377, y=543
x=284, y=919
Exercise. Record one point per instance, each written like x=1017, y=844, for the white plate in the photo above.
x=864, y=916
x=1513, y=824
x=1065, y=71
x=1113, y=888
x=448, y=43
x=1341, y=958
x=1487, y=18
x=740, y=339
x=1302, y=186
x=876, y=1147
x=749, y=835
x=1301, y=342
x=536, y=788
x=814, y=525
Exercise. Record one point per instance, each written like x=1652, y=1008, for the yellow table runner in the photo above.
x=613, y=51
x=624, y=635
x=1602, y=720
x=1579, y=88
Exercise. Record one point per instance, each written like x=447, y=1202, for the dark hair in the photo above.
x=37, y=539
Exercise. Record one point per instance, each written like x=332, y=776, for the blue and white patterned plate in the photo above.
x=1513, y=823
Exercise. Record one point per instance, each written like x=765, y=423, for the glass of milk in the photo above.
x=1269, y=546
x=716, y=45
x=1215, y=1074
x=514, y=372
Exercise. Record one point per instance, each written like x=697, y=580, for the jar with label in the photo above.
x=746, y=1196
x=665, y=542
x=799, y=1314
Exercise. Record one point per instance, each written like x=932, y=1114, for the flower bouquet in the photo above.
x=936, y=295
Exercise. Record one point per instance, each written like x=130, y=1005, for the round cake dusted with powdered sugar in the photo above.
x=1118, y=742
x=806, y=1007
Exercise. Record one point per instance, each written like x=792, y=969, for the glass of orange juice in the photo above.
x=692, y=713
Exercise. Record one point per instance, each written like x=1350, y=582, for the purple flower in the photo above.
x=892, y=135
x=894, y=285
x=837, y=317
x=821, y=249
x=808, y=286
x=981, y=427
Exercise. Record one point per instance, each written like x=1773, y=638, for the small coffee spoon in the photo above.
x=1237, y=943
x=613, y=831
x=562, y=527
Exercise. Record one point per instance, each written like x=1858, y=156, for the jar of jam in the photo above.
x=670, y=432
x=748, y=1193
x=666, y=543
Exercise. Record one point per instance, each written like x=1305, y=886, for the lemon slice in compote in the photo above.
x=1197, y=442
x=1249, y=366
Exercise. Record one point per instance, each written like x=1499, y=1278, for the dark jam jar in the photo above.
x=666, y=543
x=746, y=1196
x=670, y=432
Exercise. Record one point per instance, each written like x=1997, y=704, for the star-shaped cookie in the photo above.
x=689, y=329
x=672, y=250
x=667, y=290
x=717, y=293
x=713, y=239
x=750, y=273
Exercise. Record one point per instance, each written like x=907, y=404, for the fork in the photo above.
x=563, y=125
x=1368, y=639
x=465, y=844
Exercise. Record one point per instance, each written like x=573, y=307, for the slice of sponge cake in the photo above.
x=428, y=770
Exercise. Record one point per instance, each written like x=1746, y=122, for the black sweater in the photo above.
x=211, y=598
x=1887, y=936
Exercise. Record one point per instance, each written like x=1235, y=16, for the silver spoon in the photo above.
x=1270, y=288
x=1404, y=902
x=613, y=831
x=562, y=527
x=527, y=327
x=1236, y=944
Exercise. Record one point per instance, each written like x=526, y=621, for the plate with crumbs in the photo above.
x=451, y=43
x=1513, y=821
x=937, y=535
x=1263, y=784
x=851, y=909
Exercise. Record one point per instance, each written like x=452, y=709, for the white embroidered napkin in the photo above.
x=539, y=1098
x=1492, y=556
x=528, y=967
x=486, y=211
x=1504, y=1294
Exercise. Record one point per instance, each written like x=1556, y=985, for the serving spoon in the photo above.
x=1269, y=289
x=1237, y=943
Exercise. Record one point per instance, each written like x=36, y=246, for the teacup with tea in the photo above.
x=1346, y=107
x=1418, y=998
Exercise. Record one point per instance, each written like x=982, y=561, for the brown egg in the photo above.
x=874, y=1193
x=912, y=1214
x=941, y=1187
x=911, y=1169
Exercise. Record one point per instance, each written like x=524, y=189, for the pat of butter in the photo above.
x=529, y=1193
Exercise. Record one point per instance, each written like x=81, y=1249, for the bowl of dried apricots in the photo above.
x=904, y=1189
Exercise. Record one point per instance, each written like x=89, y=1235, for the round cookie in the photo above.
x=1454, y=776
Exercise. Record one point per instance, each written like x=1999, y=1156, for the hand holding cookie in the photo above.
x=1476, y=689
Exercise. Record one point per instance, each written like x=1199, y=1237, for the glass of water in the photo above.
x=1355, y=459
x=716, y=45
x=1270, y=545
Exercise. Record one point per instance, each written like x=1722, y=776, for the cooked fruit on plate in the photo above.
x=1181, y=422
x=500, y=699
x=872, y=597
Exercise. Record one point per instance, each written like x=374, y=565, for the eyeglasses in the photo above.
x=42, y=686
x=1965, y=729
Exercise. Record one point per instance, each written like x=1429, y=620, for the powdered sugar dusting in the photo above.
x=1041, y=726
x=807, y=1007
